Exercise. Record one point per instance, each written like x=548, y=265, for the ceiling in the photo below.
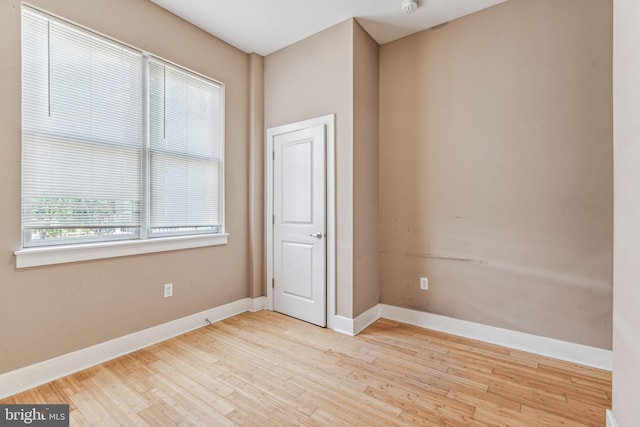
x=265, y=26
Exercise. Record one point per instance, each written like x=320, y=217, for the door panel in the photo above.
x=299, y=224
x=297, y=271
x=297, y=182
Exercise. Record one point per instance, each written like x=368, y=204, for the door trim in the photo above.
x=329, y=122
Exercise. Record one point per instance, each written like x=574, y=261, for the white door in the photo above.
x=299, y=230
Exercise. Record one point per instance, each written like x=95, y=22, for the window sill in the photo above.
x=33, y=257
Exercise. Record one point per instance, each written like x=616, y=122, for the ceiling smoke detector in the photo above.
x=409, y=6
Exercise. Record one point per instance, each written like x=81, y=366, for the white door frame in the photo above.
x=329, y=122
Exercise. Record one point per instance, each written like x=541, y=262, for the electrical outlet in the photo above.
x=168, y=290
x=424, y=283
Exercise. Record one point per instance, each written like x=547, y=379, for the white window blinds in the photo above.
x=93, y=169
x=185, y=151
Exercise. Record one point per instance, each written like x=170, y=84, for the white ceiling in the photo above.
x=264, y=26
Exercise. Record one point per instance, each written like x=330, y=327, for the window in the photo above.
x=185, y=152
x=117, y=144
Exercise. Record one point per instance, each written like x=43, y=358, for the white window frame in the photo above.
x=142, y=243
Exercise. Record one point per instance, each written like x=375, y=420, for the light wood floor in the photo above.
x=270, y=370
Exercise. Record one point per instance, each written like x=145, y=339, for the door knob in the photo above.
x=317, y=235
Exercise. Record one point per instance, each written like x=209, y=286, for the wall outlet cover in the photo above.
x=168, y=290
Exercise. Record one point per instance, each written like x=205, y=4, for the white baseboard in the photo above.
x=22, y=379
x=611, y=420
x=361, y=322
x=562, y=350
x=353, y=327
x=342, y=324
x=259, y=303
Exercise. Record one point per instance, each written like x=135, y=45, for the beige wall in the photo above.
x=257, y=137
x=496, y=169
x=626, y=310
x=48, y=311
x=366, y=284
x=309, y=79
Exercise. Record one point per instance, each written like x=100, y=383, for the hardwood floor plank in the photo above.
x=268, y=369
x=474, y=397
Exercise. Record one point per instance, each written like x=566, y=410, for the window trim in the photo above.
x=144, y=243
x=49, y=255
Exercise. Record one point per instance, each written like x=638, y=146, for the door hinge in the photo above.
x=273, y=283
x=273, y=155
x=273, y=219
